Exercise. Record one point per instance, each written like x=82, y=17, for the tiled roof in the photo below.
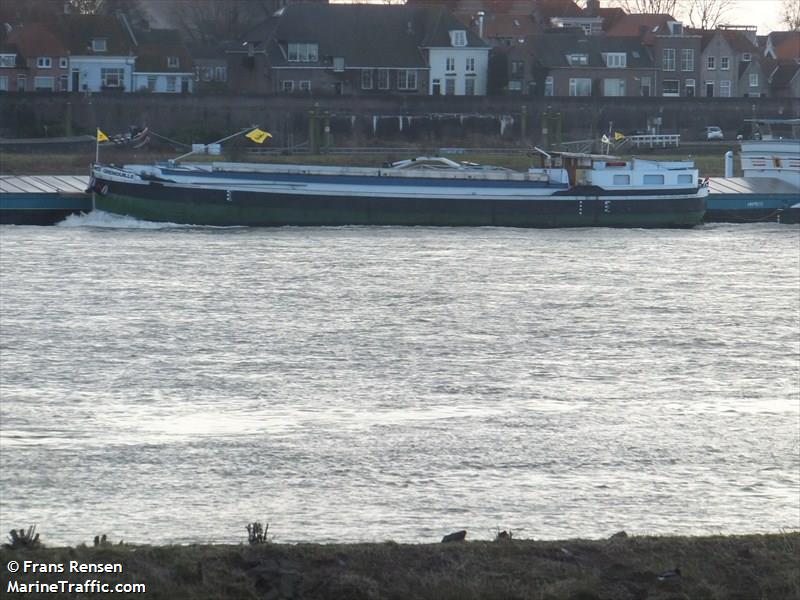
x=783, y=74
x=738, y=41
x=548, y=9
x=786, y=44
x=154, y=49
x=551, y=49
x=37, y=39
x=78, y=31
x=379, y=36
x=638, y=25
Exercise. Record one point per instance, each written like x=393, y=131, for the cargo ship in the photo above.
x=566, y=190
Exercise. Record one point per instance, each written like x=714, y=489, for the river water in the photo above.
x=171, y=384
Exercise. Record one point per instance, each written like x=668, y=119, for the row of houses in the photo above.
x=451, y=47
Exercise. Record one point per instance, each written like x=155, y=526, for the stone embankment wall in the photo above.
x=356, y=121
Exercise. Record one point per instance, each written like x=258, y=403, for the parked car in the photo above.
x=714, y=133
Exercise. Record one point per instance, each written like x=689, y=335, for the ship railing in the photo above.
x=656, y=141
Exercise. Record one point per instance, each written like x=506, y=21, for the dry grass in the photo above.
x=752, y=567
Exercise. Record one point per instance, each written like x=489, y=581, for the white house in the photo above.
x=458, y=61
x=163, y=64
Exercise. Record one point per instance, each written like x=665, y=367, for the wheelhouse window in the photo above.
x=407, y=79
x=622, y=179
x=112, y=78
x=303, y=52
x=653, y=179
x=580, y=86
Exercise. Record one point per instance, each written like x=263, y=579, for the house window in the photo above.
x=383, y=79
x=724, y=63
x=517, y=68
x=687, y=59
x=672, y=87
x=578, y=59
x=747, y=57
x=548, y=86
x=338, y=64
x=580, y=87
x=622, y=179
x=725, y=89
x=151, y=83
x=43, y=84
x=754, y=80
x=305, y=85
x=469, y=87
x=689, y=87
x=172, y=83
x=220, y=73
x=669, y=59
x=645, y=86
x=63, y=62
x=449, y=86
x=8, y=60
x=711, y=63
x=287, y=86
x=3, y=83
x=470, y=64
x=303, y=52
x=44, y=62
x=613, y=87
x=515, y=85
x=450, y=64
x=111, y=78
x=366, y=79
x=458, y=37
x=63, y=83
x=22, y=83
x=99, y=45
x=173, y=62
x=616, y=59
x=406, y=79
x=653, y=179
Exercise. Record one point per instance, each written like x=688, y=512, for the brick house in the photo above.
x=731, y=65
x=398, y=50
x=574, y=64
x=163, y=64
x=42, y=64
x=12, y=67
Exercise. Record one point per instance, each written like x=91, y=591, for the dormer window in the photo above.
x=578, y=59
x=302, y=52
x=675, y=28
x=616, y=59
x=458, y=37
x=8, y=61
x=747, y=57
x=99, y=45
x=173, y=62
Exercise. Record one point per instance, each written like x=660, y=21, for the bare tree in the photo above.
x=656, y=7
x=790, y=15
x=708, y=14
x=204, y=20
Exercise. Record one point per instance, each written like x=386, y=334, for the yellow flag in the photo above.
x=618, y=136
x=101, y=137
x=258, y=136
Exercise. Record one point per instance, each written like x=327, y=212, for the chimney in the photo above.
x=592, y=7
x=481, y=14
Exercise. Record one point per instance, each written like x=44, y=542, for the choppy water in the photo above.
x=173, y=384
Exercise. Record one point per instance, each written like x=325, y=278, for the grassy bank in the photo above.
x=751, y=567
x=710, y=165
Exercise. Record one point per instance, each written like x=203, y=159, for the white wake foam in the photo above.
x=99, y=218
